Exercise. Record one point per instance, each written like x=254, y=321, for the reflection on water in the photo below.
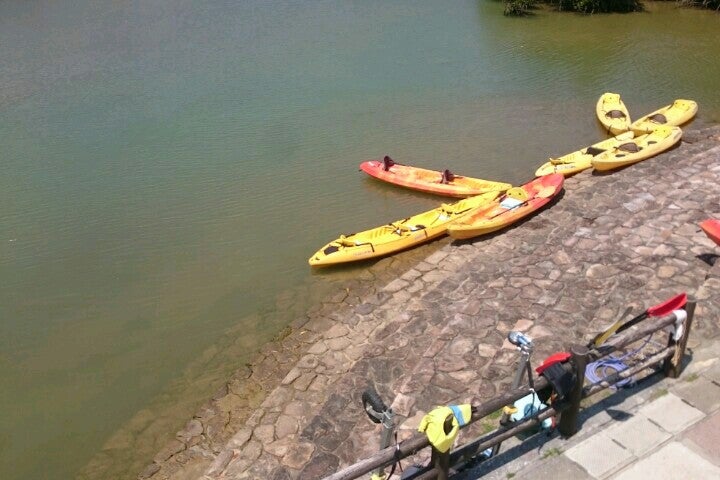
x=169, y=167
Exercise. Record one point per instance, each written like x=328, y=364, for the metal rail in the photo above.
x=672, y=357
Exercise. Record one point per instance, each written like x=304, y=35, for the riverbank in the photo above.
x=436, y=333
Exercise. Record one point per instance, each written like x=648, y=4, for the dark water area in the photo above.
x=170, y=166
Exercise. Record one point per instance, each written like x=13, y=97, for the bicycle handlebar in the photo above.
x=520, y=340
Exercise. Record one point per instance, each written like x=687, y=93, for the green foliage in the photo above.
x=711, y=4
x=598, y=6
x=518, y=7
x=523, y=7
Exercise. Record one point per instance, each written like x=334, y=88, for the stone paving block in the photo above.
x=599, y=455
x=706, y=436
x=673, y=461
x=701, y=393
x=671, y=413
x=639, y=435
x=556, y=468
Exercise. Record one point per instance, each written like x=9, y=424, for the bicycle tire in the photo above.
x=372, y=403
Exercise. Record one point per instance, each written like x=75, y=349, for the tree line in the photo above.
x=524, y=7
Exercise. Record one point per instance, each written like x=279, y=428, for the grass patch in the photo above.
x=488, y=427
x=509, y=475
x=551, y=452
x=495, y=415
x=661, y=392
x=692, y=377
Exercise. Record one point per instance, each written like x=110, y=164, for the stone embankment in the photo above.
x=436, y=334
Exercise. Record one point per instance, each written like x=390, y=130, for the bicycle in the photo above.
x=379, y=413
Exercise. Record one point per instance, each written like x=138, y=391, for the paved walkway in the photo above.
x=436, y=334
x=661, y=429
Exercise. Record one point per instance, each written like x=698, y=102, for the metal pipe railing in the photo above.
x=672, y=356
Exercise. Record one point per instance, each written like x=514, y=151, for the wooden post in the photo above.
x=672, y=367
x=568, y=418
x=441, y=461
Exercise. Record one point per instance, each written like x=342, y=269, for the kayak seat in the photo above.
x=658, y=118
x=387, y=163
x=594, y=151
x=447, y=176
x=615, y=114
x=630, y=147
x=517, y=193
x=343, y=240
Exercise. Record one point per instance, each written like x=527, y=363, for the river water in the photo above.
x=169, y=166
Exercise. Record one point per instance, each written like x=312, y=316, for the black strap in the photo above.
x=397, y=457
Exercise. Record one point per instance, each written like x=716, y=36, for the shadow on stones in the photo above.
x=709, y=258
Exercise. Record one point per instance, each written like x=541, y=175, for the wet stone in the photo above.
x=171, y=448
x=149, y=471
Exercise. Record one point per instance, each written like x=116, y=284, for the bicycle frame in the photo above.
x=525, y=345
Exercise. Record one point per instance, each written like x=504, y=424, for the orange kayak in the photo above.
x=711, y=227
x=430, y=181
x=516, y=203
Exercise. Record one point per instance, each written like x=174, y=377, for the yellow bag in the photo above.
x=433, y=424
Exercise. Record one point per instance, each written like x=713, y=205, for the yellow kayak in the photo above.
x=612, y=113
x=580, y=160
x=516, y=203
x=640, y=148
x=679, y=112
x=398, y=235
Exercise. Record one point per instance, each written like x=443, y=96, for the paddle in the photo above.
x=659, y=310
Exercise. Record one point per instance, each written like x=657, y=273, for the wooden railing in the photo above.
x=568, y=410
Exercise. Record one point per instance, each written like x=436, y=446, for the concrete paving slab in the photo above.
x=599, y=455
x=706, y=436
x=701, y=393
x=556, y=468
x=671, y=413
x=713, y=373
x=639, y=435
x=672, y=462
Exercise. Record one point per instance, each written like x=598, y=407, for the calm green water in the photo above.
x=169, y=166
